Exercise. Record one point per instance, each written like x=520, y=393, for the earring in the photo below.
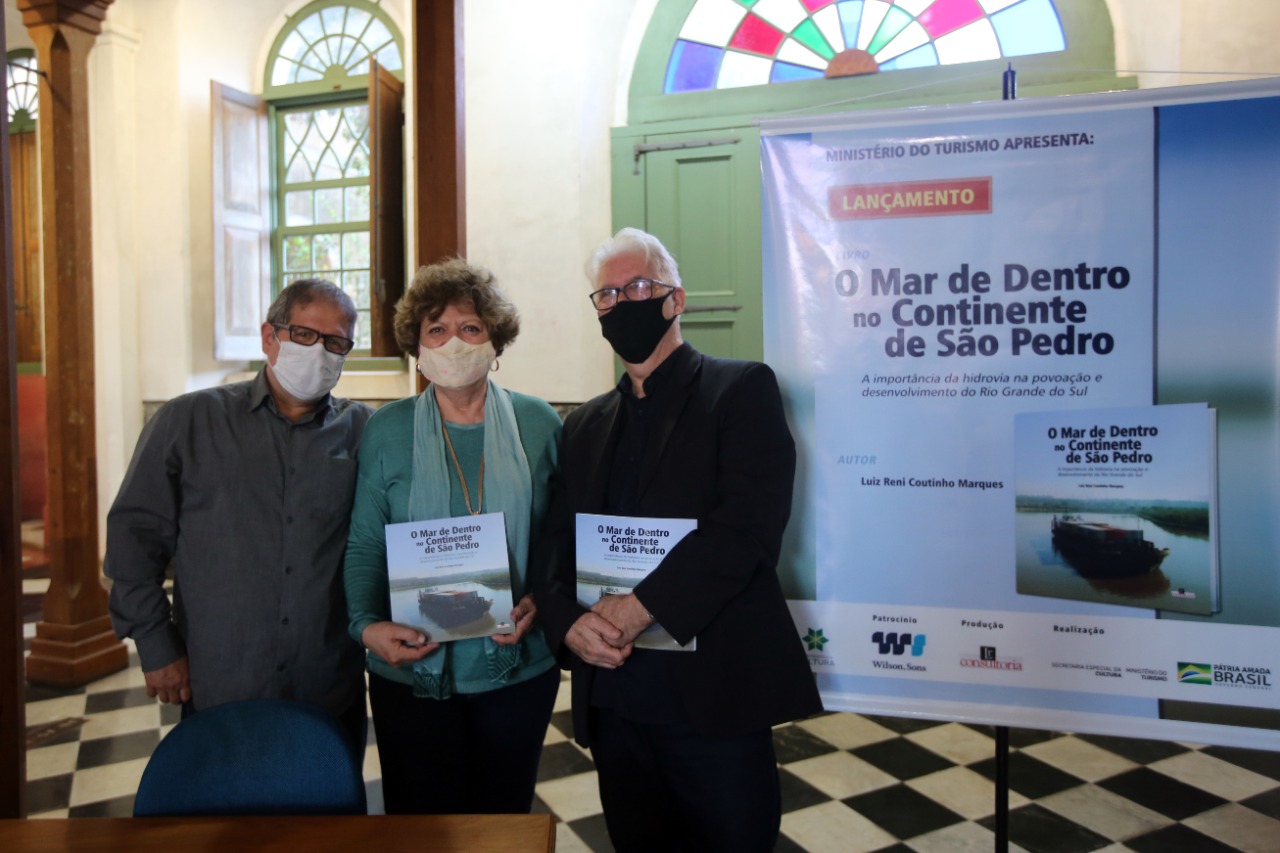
x=493, y=368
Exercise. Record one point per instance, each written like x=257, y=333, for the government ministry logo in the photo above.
x=814, y=641
x=1225, y=675
x=1195, y=673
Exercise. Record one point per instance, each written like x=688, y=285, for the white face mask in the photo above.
x=307, y=373
x=456, y=363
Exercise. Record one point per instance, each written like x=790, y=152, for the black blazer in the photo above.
x=719, y=450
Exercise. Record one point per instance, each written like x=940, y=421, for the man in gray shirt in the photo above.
x=245, y=490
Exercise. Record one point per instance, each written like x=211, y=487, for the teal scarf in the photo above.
x=508, y=488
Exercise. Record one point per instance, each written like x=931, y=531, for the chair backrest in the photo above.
x=258, y=757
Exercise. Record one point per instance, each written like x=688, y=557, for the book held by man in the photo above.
x=617, y=552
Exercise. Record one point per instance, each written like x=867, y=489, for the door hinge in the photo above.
x=645, y=148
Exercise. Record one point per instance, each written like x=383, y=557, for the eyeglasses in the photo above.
x=306, y=336
x=637, y=290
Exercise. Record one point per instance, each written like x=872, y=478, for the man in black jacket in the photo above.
x=681, y=739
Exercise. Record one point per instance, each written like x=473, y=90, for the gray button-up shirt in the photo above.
x=252, y=512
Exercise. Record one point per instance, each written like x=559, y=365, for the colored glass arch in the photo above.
x=731, y=43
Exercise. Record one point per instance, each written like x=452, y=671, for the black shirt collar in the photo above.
x=659, y=379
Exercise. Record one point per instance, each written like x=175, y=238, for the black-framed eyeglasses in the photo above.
x=306, y=336
x=636, y=290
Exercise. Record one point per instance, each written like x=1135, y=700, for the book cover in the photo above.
x=617, y=552
x=450, y=577
x=1119, y=506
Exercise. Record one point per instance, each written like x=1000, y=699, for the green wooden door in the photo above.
x=703, y=202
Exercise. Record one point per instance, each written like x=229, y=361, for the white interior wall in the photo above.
x=538, y=177
x=15, y=33
x=1188, y=42
x=114, y=179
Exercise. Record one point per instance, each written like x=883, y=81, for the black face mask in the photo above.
x=633, y=329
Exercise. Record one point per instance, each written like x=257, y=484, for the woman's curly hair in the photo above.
x=434, y=288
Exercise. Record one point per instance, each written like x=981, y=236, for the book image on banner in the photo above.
x=450, y=577
x=617, y=552
x=1118, y=506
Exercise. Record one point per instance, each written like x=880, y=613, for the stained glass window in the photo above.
x=24, y=90
x=329, y=42
x=729, y=43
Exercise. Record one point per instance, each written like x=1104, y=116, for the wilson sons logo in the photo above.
x=894, y=644
x=1224, y=675
x=987, y=659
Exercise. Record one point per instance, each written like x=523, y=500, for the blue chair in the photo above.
x=258, y=757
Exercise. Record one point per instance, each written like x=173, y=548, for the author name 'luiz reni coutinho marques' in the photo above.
x=932, y=483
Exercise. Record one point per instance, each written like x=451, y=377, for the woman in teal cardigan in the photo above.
x=459, y=725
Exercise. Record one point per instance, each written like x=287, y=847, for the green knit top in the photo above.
x=382, y=497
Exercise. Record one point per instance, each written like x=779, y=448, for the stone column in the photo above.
x=74, y=643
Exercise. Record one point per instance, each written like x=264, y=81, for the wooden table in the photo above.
x=380, y=833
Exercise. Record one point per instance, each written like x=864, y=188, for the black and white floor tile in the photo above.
x=849, y=782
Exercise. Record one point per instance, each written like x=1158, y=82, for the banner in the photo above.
x=932, y=278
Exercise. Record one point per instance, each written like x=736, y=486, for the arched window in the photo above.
x=727, y=62
x=317, y=80
x=24, y=90
x=293, y=171
x=329, y=44
x=23, y=83
x=729, y=43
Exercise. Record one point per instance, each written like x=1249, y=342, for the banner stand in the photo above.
x=930, y=276
x=1002, y=789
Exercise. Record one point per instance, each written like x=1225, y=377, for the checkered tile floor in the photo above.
x=849, y=782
